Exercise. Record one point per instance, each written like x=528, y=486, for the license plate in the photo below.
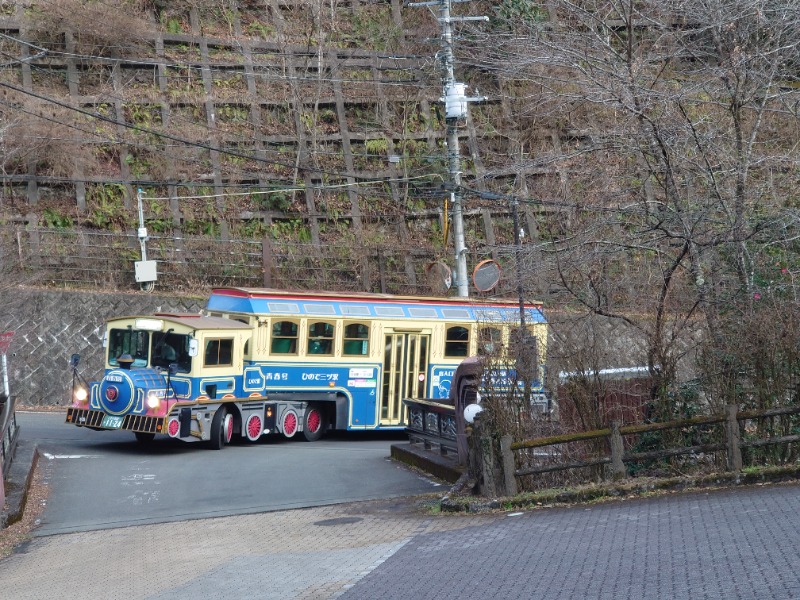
x=112, y=422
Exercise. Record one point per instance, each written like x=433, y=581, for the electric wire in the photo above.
x=183, y=142
x=208, y=147
x=217, y=68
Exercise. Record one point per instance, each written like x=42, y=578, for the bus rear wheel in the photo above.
x=314, y=423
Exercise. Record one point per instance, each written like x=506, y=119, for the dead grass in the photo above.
x=18, y=533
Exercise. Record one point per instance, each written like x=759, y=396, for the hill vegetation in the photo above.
x=650, y=147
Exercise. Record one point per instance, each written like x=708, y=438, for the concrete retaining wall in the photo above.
x=51, y=325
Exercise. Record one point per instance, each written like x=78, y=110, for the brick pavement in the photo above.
x=739, y=543
x=728, y=544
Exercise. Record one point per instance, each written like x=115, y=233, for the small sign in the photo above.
x=361, y=373
x=5, y=341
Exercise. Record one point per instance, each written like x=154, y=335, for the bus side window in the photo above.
x=457, y=341
x=219, y=353
x=320, y=338
x=284, y=338
x=356, y=340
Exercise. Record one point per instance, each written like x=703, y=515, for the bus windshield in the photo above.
x=155, y=348
x=128, y=341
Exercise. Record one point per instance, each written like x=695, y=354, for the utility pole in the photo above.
x=455, y=110
x=518, y=263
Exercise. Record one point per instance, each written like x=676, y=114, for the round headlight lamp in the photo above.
x=153, y=401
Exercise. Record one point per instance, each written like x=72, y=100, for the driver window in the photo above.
x=171, y=348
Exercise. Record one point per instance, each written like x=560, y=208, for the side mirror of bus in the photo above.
x=74, y=360
x=173, y=368
x=194, y=347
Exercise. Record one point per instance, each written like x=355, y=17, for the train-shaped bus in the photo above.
x=261, y=361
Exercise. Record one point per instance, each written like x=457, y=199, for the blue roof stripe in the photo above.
x=364, y=308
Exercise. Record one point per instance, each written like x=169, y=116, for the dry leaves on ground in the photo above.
x=17, y=533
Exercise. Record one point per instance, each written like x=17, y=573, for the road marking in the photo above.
x=49, y=456
x=138, y=477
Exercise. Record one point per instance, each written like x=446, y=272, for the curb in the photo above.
x=18, y=482
x=624, y=490
x=434, y=464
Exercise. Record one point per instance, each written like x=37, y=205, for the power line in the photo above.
x=300, y=189
x=42, y=51
x=208, y=147
x=182, y=142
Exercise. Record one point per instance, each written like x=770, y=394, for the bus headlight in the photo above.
x=153, y=401
x=81, y=395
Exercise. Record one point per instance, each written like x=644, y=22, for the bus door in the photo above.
x=405, y=367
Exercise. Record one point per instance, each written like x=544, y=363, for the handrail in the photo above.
x=432, y=404
x=9, y=432
x=432, y=424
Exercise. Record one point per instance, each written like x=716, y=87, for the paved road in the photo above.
x=739, y=543
x=105, y=479
x=721, y=545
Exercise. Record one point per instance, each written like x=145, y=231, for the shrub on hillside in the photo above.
x=113, y=28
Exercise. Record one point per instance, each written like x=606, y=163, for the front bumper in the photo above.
x=83, y=417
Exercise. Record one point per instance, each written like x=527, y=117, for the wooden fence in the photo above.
x=96, y=259
x=507, y=467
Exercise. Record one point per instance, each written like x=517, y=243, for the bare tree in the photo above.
x=678, y=124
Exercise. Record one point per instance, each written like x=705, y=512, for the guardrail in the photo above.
x=432, y=424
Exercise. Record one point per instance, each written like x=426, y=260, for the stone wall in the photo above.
x=51, y=325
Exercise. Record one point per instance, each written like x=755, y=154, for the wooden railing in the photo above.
x=618, y=457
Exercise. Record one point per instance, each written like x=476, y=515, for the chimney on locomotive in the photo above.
x=125, y=361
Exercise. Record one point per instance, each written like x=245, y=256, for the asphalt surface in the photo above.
x=738, y=543
x=101, y=480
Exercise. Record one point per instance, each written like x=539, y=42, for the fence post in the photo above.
x=266, y=262
x=33, y=254
x=507, y=456
x=484, y=463
x=617, y=451
x=733, y=438
x=381, y=272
